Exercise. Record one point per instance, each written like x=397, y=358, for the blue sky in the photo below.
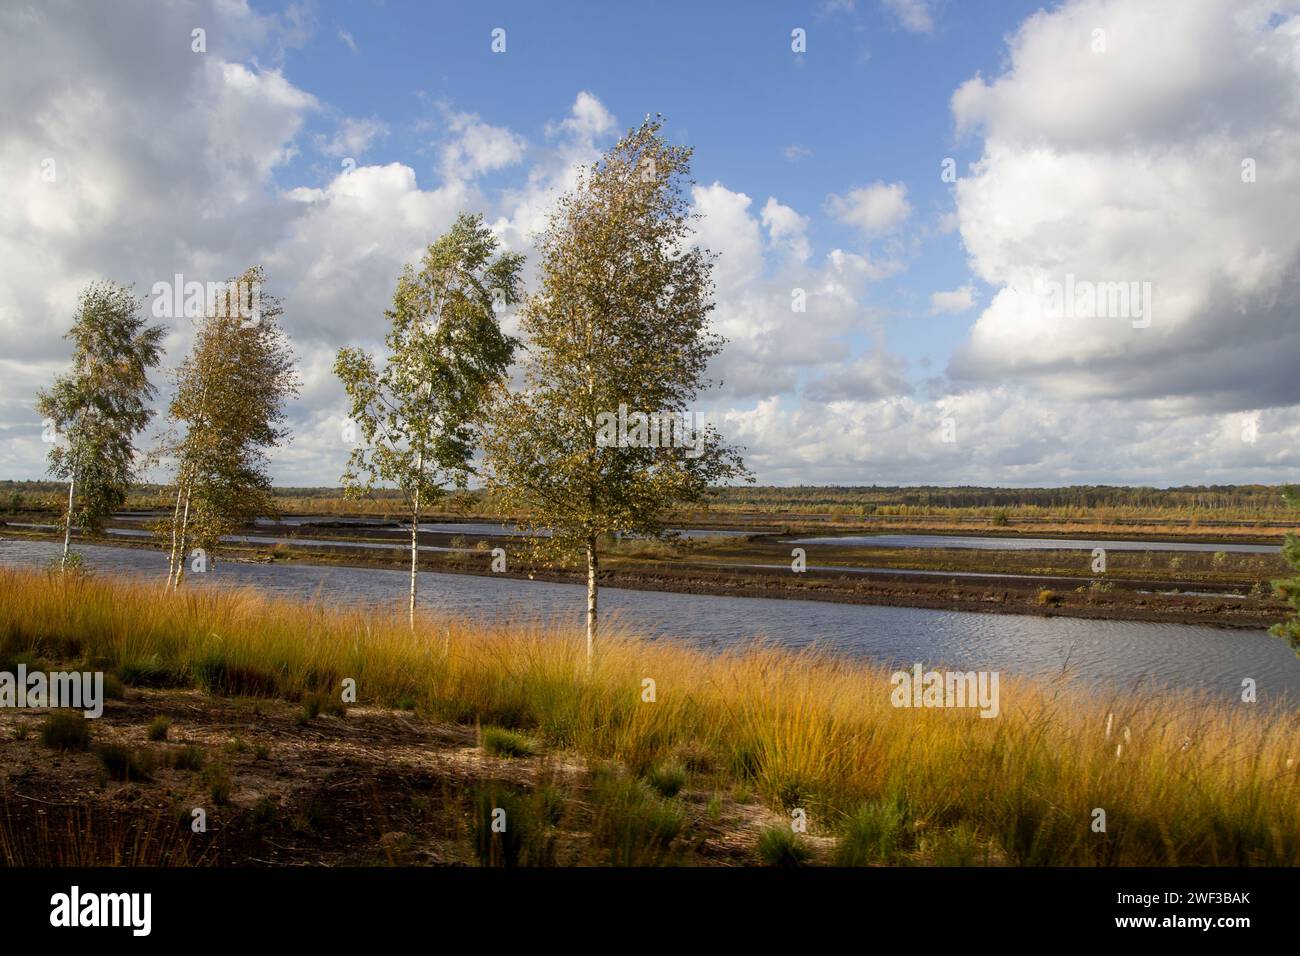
x=1145, y=147
x=867, y=101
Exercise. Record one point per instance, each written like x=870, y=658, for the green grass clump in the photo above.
x=114, y=689
x=315, y=703
x=123, y=763
x=501, y=742
x=512, y=827
x=667, y=779
x=960, y=846
x=66, y=730
x=781, y=846
x=150, y=672
x=632, y=823
x=158, y=727
x=217, y=674
x=220, y=786
x=188, y=758
x=876, y=832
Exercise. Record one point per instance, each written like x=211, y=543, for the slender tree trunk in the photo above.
x=592, y=562
x=176, y=519
x=415, y=541
x=67, y=523
x=180, y=554
x=593, y=472
x=187, y=482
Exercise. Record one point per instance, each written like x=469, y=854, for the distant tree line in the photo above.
x=1260, y=498
x=1257, y=499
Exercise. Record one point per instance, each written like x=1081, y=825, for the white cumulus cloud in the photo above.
x=1121, y=162
x=875, y=210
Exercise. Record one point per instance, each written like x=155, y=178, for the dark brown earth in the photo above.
x=371, y=787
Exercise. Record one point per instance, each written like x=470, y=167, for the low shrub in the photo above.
x=158, y=727
x=66, y=730
x=668, y=779
x=185, y=758
x=511, y=827
x=875, y=833
x=781, y=846
x=123, y=763
x=507, y=743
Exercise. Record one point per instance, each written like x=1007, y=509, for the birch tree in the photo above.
x=418, y=415
x=100, y=405
x=618, y=332
x=227, y=412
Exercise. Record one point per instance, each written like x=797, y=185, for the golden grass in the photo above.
x=1181, y=780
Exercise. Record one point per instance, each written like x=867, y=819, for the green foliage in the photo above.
x=1209, y=501
x=114, y=689
x=215, y=673
x=780, y=846
x=876, y=833
x=73, y=562
x=263, y=814
x=511, y=827
x=667, y=779
x=102, y=403
x=418, y=415
x=507, y=743
x=158, y=728
x=960, y=846
x=188, y=758
x=225, y=416
x=66, y=730
x=632, y=822
x=123, y=763
x=220, y=786
x=621, y=321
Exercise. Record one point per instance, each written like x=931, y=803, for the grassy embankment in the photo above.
x=1182, y=781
